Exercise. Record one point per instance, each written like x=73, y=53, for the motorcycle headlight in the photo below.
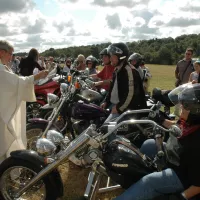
x=55, y=137
x=52, y=98
x=64, y=88
x=45, y=147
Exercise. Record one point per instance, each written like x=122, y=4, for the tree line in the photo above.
x=166, y=51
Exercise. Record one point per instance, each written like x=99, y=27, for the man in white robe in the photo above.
x=14, y=92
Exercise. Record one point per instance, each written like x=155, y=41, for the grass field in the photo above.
x=75, y=178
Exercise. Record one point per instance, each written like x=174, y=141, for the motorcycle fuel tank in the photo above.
x=123, y=162
x=82, y=110
x=91, y=95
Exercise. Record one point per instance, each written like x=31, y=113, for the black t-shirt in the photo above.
x=189, y=169
x=27, y=65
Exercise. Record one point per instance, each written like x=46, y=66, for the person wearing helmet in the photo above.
x=181, y=180
x=91, y=63
x=105, y=75
x=136, y=59
x=126, y=90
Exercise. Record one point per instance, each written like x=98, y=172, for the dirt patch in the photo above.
x=75, y=180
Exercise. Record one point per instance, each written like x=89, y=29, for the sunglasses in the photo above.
x=89, y=63
x=189, y=54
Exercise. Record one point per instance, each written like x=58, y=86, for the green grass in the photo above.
x=163, y=76
x=75, y=178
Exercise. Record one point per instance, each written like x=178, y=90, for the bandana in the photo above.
x=186, y=128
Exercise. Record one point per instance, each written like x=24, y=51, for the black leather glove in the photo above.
x=177, y=196
x=157, y=117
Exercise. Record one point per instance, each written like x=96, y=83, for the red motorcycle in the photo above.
x=42, y=88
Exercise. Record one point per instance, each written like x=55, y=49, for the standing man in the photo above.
x=184, y=68
x=126, y=90
x=14, y=90
x=182, y=73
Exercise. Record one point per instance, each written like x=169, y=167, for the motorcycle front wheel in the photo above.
x=16, y=173
x=33, y=132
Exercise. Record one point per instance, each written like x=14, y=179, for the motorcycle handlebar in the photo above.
x=173, y=130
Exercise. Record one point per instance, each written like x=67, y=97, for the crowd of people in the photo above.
x=124, y=77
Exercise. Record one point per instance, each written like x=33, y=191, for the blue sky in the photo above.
x=48, y=8
x=43, y=24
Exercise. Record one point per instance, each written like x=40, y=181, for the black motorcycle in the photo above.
x=30, y=175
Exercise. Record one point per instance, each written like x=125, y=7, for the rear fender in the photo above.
x=35, y=159
x=38, y=120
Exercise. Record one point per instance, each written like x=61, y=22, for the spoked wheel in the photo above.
x=33, y=110
x=33, y=132
x=15, y=174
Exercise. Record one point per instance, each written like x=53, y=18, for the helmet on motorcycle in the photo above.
x=121, y=50
x=137, y=57
x=93, y=60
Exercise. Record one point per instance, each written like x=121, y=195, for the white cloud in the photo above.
x=79, y=22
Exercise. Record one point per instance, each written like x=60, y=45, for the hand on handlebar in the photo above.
x=156, y=116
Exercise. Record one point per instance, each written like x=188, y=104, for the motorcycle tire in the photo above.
x=32, y=136
x=45, y=114
x=32, y=110
x=10, y=163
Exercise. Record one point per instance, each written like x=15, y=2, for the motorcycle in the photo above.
x=68, y=115
x=51, y=84
x=26, y=173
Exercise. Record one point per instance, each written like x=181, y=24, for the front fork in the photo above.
x=94, y=180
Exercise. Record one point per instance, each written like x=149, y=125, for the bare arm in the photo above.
x=168, y=123
x=104, y=82
x=93, y=76
x=190, y=78
x=191, y=192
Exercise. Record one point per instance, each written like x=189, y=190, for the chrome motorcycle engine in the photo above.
x=85, y=156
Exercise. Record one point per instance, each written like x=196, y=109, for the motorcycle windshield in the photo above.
x=174, y=94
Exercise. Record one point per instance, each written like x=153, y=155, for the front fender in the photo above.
x=35, y=159
x=38, y=120
x=48, y=107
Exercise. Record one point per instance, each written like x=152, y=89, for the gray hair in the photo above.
x=4, y=45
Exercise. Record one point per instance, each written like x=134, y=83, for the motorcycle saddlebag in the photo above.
x=124, y=162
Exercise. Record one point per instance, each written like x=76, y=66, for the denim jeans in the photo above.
x=154, y=184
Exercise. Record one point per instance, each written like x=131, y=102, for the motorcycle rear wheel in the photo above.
x=33, y=110
x=15, y=173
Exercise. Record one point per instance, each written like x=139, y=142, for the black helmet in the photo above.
x=93, y=60
x=104, y=52
x=121, y=50
x=137, y=57
x=188, y=95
